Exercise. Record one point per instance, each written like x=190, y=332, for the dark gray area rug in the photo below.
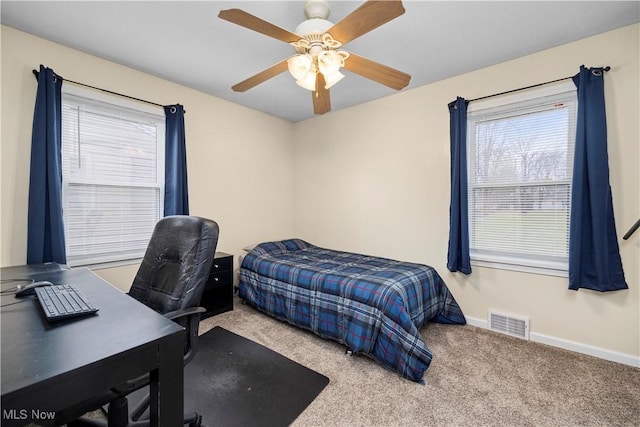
x=233, y=381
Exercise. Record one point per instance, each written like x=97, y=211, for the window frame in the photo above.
x=137, y=109
x=547, y=265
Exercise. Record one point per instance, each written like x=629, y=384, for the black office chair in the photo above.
x=171, y=279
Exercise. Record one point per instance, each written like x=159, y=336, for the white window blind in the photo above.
x=113, y=177
x=520, y=157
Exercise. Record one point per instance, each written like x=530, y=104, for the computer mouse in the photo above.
x=30, y=289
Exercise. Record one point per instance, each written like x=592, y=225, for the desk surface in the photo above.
x=39, y=359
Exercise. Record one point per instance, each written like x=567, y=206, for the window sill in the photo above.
x=520, y=268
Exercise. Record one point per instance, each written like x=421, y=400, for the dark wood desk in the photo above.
x=48, y=368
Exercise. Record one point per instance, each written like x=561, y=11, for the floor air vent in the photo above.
x=508, y=324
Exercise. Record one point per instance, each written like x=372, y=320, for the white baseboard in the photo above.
x=613, y=356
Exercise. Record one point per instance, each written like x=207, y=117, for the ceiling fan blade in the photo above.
x=321, y=96
x=254, y=23
x=367, y=17
x=260, y=77
x=377, y=72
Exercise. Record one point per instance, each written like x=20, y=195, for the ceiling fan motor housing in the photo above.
x=316, y=9
x=313, y=26
x=317, y=12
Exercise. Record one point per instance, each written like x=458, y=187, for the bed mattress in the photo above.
x=374, y=306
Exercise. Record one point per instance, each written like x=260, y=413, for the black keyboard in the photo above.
x=63, y=301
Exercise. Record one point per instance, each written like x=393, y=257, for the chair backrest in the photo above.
x=176, y=265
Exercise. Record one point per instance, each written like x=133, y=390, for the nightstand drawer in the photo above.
x=221, y=278
x=222, y=262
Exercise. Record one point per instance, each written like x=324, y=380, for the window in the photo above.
x=520, y=158
x=112, y=174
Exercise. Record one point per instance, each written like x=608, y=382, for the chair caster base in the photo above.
x=194, y=420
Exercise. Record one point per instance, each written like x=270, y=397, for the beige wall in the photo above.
x=236, y=172
x=375, y=179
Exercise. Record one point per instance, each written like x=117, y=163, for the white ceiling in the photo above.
x=185, y=41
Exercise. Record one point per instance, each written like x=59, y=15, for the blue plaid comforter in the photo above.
x=374, y=306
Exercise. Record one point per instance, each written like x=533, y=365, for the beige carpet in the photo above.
x=477, y=378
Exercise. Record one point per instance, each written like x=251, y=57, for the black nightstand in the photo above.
x=218, y=292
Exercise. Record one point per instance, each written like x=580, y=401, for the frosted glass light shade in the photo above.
x=332, y=78
x=309, y=82
x=303, y=67
x=329, y=62
x=300, y=66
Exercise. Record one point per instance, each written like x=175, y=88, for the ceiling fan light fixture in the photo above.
x=300, y=66
x=329, y=62
x=308, y=82
x=332, y=78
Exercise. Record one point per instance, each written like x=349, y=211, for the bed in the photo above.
x=374, y=306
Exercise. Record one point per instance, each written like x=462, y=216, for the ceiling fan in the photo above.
x=317, y=42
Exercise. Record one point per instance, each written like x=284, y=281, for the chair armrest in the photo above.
x=177, y=314
x=189, y=318
x=192, y=334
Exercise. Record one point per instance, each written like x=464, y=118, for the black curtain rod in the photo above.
x=632, y=230
x=607, y=68
x=36, y=72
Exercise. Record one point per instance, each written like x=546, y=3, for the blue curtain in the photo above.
x=594, y=258
x=45, y=235
x=176, y=195
x=458, y=257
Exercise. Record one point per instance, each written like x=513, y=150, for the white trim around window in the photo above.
x=113, y=176
x=520, y=165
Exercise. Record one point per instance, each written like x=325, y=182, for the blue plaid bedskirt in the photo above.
x=374, y=306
